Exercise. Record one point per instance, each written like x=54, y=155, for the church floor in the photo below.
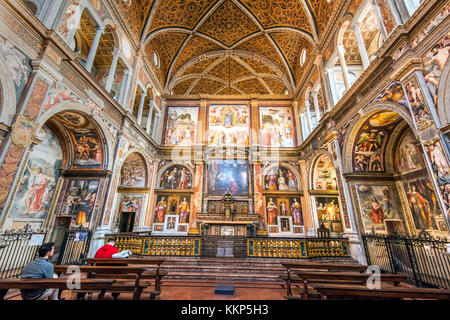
x=200, y=290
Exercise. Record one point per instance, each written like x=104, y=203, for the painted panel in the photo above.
x=324, y=175
x=380, y=209
x=79, y=201
x=280, y=179
x=228, y=125
x=176, y=177
x=329, y=213
x=229, y=175
x=181, y=128
x=277, y=128
x=38, y=183
x=133, y=173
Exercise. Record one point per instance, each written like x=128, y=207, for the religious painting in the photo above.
x=79, y=201
x=160, y=209
x=280, y=178
x=228, y=125
x=88, y=149
x=171, y=223
x=272, y=211
x=131, y=203
x=133, y=173
x=172, y=205
x=378, y=204
x=434, y=62
x=386, y=15
x=371, y=140
x=408, y=157
x=23, y=131
x=329, y=213
x=276, y=127
x=440, y=166
x=176, y=177
x=283, y=207
x=295, y=206
x=394, y=93
x=324, y=176
x=228, y=175
x=57, y=94
x=423, y=203
x=37, y=185
x=17, y=63
x=181, y=127
x=418, y=106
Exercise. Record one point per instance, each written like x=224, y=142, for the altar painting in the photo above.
x=329, y=213
x=229, y=175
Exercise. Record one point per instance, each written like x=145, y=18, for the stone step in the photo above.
x=223, y=276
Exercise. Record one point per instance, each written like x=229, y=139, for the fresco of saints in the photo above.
x=296, y=210
x=228, y=118
x=161, y=209
x=439, y=163
x=184, y=210
x=271, y=212
x=171, y=179
x=369, y=142
x=83, y=208
x=331, y=211
x=36, y=190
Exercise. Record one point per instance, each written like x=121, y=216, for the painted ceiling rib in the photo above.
x=215, y=63
x=149, y=20
x=309, y=14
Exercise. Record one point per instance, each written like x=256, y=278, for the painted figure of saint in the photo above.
x=183, y=180
x=439, y=163
x=296, y=210
x=35, y=193
x=184, y=210
x=421, y=209
x=271, y=212
x=291, y=181
x=283, y=209
x=234, y=187
x=282, y=182
x=330, y=209
x=161, y=209
x=83, y=208
x=228, y=121
x=272, y=182
x=171, y=179
x=377, y=211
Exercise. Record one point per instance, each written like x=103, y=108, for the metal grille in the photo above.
x=422, y=258
x=18, y=251
x=213, y=245
x=75, y=247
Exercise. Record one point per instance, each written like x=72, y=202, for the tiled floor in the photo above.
x=200, y=290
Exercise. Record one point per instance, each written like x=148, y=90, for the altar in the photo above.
x=226, y=219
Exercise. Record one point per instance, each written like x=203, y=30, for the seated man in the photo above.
x=108, y=251
x=40, y=269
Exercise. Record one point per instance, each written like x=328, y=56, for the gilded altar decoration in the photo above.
x=23, y=131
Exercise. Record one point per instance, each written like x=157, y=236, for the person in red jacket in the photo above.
x=107, y=251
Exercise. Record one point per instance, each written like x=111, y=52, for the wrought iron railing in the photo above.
x=423, y=258
x=158, y=246
x=19, y=250
x=75, y=246
x=297, y=248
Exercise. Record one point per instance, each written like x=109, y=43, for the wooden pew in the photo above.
x=312, y=278
x=352, y=291
x=100, y=285
x=157, y=275
x=124, y=276
x=316, y=266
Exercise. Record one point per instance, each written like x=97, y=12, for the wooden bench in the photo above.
x=316, y=266
x=100, y=285
x=353, y=291
x=124, y=276
x=344, y=278
x=157, y=275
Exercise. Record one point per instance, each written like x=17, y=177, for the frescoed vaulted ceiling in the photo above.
x=232, y=46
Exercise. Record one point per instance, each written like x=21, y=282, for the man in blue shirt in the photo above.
x=40, y=269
